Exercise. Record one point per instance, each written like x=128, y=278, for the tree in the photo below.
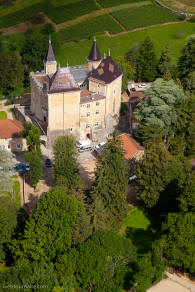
x=11, y=72
x=36, y=170
x=111, y=184
x=164, y=63
x=187, y=195
x=148, y=134
x=132, y=55
x=120, y=253
x=29, y=275
x=190, y=82
x=65, y=162
x=48, y=232
x=179, y=241
x=8, y=221
x=146, y=62
x=126, y=69
x=90, y=265
x=157, y=108
x=7, y=162
x=186, y=63
x=32, y=135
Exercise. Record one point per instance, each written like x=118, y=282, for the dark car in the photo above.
x=21, y=167
x=48, y=163
x=83, y=149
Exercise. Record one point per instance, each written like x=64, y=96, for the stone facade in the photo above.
x=75, y=100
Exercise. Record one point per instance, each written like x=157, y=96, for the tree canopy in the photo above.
x=7, y=162
x=157, y=108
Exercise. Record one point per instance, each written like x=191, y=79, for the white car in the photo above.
x=100, y=145
x=142, y=85
x=27, y=166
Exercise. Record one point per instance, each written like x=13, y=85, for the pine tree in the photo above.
x=164, y=64
x=111, y=185
x=146, y=63
x=7, y=162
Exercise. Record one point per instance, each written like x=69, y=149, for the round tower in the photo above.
x=94, y=57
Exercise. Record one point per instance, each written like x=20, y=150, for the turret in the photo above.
x=50, y=64
x=94, y=57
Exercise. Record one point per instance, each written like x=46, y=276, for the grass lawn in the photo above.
x=144, y=16
x=76, y=52
x=141, y=229
x=3, y=115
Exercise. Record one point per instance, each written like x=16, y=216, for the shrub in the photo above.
x=192, y=19
x=37, y=18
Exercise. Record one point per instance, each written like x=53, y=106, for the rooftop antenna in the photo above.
x=109, y=52
x=104, y=55
x=67, y=65
x=94, y=38
x=59, y=66
x=49, y=39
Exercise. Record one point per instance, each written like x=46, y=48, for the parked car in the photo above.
x=83, y=149
x=100, y=145
x=21, y=167
x=48, y=163
x=27, y=166
x=142, y=85
x=132, y=178
x=84, y=143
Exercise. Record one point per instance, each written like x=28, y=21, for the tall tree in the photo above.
x=8, y=221
x=146, y=62
x=157, y=108
x=186, y=63
x=132, y=55
x=187, y=195
x=178, y=243
x=190, y=83
x=11, y=72
x=111, y=184
x=36, y=170
x=49, y=230
x=65, y=162
x=7, y=162
x=126, y=69
x=164, y=63
x=32, y=135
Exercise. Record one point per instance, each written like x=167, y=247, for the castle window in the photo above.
x=88, y=114
x=87, y=126
x=97, y=103
x=96, y=124
x=88, y=105
x=97, y=112
x=8, y=146
x=18, y=146
x=70, y=129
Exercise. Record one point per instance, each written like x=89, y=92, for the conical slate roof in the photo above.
x=94, y=54
x=63, y=81
x=49, y=57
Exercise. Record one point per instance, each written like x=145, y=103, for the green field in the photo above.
x=57, y=13
x=141, y=229
x=144, y=16
x=110, y=3
x=3, y=115
x=91, y=27
x=76, y=52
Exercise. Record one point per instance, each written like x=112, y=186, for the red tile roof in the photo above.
x=130, y=146
x=10, y=128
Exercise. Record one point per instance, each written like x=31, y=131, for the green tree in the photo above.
x=146, y=62
x=29, y=274
x=186, y=63
x=11, y=72
x=90, y=265
x=8, y=221
x=132, y=55
x=157, y=108
x=65, y=162
x=190, y=82
x=83, y=227
x=187, y=195
x=148, y=134
x=7, y=162
x=32, y=135
x=49, y=230
x=126, y=69
x=36, y=170
x=179, y=241
x=164, y=63
x=111, y=184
